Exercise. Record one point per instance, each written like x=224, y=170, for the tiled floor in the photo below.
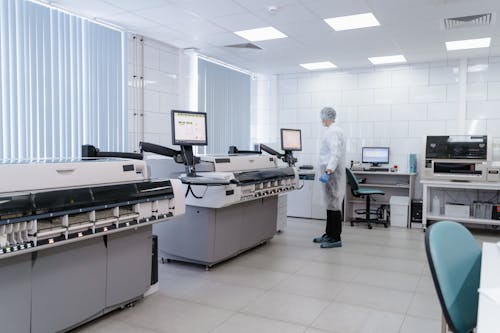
x=377, y=282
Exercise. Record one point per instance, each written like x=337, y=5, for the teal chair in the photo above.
x=367, y=193
x=455, y=262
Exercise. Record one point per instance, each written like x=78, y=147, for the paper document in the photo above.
x=491, y=293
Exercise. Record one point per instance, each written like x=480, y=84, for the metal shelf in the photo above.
x=462, y=219
x=406, y=186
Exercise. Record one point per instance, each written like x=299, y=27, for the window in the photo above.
x=224, y=94
x=62, y=83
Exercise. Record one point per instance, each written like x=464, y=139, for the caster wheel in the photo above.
x=385, y=225
x=370, y=227
x=352, y=224
x=207, y=268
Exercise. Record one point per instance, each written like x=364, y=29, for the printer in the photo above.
x=457, y=158
x=230, y=179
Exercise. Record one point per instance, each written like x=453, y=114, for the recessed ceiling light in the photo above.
x=392, y=59
x=318, y=65
x=266, y=33
x=468, y=44
x=352, y=22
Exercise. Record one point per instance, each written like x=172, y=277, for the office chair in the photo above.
x=365, y=192
x=455, y=262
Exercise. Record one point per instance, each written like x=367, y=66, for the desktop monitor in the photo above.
x=291, y=139
x=189, y=128
x=375, y=155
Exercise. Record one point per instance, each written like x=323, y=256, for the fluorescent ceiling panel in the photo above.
x=392, y=59
x=468, y=44
x=352, y=22
x=319, y=65
x=266, y=33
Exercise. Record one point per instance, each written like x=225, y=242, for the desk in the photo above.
x=428, y=185
x=308, y=202
x=488, y=311
x=392, y=183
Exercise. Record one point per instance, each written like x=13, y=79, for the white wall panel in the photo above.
x=390, y=95
x=428, y=94
x=357, y=97
x=374, y=113
x=442, y=111
x=410, y=77
x=409, y=111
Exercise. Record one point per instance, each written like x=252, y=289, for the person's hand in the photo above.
x=329, y=171
x=325, y=178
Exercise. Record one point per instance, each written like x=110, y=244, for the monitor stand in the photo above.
x=288, y=158
x=377, y=167
x=189, y=160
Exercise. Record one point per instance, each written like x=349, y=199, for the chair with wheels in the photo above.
x=371, y=216
x=455, y=262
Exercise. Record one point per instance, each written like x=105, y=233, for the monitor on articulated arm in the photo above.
x=291, y=140
x=189, y=129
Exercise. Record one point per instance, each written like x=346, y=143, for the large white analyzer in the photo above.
x=76, y=239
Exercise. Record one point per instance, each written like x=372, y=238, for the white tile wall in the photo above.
x=442, y=111
x=390, y=95
x=493, y=90
x=392, y=106
x=428, y=94
x=161, y=92
x=409, y=111
x=357, y=97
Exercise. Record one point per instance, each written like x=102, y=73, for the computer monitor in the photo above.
x=375, y=155
x=189, y=128
x=291, y=139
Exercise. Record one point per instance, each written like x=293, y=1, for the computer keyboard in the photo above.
x=377, y=169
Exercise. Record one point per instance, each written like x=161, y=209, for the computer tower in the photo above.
x=154, y=258
x=416, y=211
x=496, y=212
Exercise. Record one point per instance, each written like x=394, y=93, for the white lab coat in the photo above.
x=332, y=156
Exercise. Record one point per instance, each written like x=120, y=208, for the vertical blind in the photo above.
x=224, y=94
x=62, y=83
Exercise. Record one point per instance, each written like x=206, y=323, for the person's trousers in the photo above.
x=333, y=224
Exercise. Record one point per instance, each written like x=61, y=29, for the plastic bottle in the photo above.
x=436, y=206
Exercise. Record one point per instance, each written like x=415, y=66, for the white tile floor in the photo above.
x=377, y=282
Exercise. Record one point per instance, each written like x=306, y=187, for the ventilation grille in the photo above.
x=245, y=46
x=467, y=21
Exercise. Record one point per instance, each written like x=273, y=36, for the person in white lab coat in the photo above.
x=332, y=166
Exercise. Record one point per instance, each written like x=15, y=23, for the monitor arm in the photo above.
x=270, y=151
x=287, y=157
x=89, y=151
x=161, y=150
x=235, y=150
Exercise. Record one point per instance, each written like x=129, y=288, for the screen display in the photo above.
x=376, y=155
x=189, y=128
x=291, y=139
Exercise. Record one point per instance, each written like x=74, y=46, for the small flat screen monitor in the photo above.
x=189, y=128
x=375, y=155
x=291, y=139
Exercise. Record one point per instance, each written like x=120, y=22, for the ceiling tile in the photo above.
x=211, y=8
x=287, y=14
x=130, y=21
x=255, y=5
x=132, y=5
x=334, y=8
x=88, y=8
x=239, y=22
